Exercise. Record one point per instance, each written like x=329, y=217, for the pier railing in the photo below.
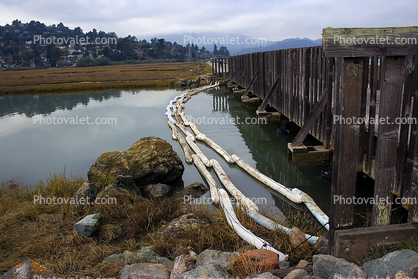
x=360, y=100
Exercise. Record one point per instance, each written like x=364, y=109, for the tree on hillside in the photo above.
x=53, y=54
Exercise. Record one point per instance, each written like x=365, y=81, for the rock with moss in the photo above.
x=28, y=270
x=150, y=160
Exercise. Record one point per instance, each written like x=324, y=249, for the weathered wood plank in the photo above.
x=404, y=131
x=411, y=179
x=361, y=42
x=346, y=151
x=372, y=113
x=393, y=76
x=354, y=244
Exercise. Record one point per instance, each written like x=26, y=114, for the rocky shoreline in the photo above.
x=140, y=174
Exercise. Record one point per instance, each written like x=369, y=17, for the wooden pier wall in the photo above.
x=324, y=89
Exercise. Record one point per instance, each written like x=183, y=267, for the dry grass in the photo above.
x=44, y=233
x=104, y=77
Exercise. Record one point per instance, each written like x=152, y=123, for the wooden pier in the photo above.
x=357, y=95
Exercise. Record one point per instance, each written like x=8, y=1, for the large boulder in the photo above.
x=150, y=160
x=405, y=261
x=325, y=266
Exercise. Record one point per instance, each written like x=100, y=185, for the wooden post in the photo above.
x=411, y=180
x=393, y=76
x=346, y=151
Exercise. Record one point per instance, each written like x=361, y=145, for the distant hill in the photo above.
x=238, y=43
x=233, y=42
x=287, y=43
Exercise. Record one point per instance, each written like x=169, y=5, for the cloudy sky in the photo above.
x=270, y=19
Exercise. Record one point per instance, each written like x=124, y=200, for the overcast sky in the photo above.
x=269, y=19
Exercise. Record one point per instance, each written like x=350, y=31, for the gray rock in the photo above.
x=313, y=277
x=89, y=224
x=215, y=257
x=265, y=275
x=87, y=192
x=404, y=260
x=149, y=250
x=321, y=246
x=193, y=191
x=284, y=265
x=338, y=276
x=166, y=262
x=139, y=257
x=296, y=274
x=27, y=270
x=187, y=222
x=157, y=191
x=302, y=264
x=326, y=265
x=150, y=160
x=144, y=270
x=205, y=271
x=127, y=257
x=182, y=264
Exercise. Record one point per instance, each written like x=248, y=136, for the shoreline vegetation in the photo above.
x=163, y=75
x=45, y=232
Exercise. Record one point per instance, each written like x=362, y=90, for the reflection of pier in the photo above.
x=220, y=103
x=270, y=152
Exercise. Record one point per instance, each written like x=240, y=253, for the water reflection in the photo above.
x=47, y=104
x=260, y=146
x=31, y=151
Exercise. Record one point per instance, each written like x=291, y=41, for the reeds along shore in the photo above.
x=101, y=77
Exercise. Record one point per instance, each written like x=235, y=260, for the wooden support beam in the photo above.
x=345, y=156
x=355, y=244
x=304, y=131
x=272, y=89
x=251, y=83
x=393, y=76
x=362, y=42
x=308, y=155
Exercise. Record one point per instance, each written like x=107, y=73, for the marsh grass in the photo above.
x=45, y=233
x=379, y=252
x=103, y=77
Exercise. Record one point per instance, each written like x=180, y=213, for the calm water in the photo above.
x=30, y=151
